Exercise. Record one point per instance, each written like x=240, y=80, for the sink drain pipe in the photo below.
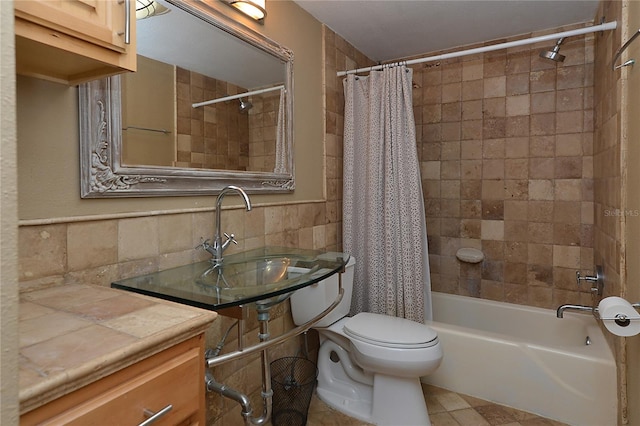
x=265, y=343
x=242, y=399
x=228, y=392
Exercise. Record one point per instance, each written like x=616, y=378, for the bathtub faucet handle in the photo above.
x=589, y=278
x=597, y=280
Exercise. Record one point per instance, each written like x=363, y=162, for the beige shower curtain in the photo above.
x=383, y=210
x=281, y=149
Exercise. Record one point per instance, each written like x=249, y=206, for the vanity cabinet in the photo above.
x=173, y=377
x=74, y=41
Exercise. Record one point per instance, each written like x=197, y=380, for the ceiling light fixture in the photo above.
x=149, y=8
x=253, y=8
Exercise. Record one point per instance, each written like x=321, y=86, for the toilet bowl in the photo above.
x=369, y=365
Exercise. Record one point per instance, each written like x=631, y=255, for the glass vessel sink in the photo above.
x=264, y=276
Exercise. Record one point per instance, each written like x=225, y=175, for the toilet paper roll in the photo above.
x=619, y=317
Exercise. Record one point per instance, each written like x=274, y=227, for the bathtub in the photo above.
x=526, y=358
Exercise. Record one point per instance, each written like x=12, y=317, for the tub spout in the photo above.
x=562, y=308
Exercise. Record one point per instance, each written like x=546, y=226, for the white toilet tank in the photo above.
x=308, y=302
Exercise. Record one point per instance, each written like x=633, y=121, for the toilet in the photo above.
x=369, y=365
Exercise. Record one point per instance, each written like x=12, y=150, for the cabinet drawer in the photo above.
x=123, y=398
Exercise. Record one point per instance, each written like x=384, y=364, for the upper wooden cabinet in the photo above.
x=74, y=41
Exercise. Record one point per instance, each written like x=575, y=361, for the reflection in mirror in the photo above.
x=195, y=116
x=148, y=114
x=238, y=134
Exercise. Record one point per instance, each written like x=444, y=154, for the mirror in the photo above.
x=211, y=105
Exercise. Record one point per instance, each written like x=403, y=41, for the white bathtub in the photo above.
x=526, y=358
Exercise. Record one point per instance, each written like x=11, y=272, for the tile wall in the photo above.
x=505, y=141
x=607, y=158
x=609, y=181
x=339, y=55
x=263, y=125
x=219, y=136
x=214, y=136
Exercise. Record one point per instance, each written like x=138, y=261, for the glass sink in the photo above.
x=264, y=276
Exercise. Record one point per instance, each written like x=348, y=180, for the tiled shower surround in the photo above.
x=505, y=142
x=219, y=136
x=505, y=145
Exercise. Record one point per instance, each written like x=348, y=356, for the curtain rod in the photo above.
x=602, y=27
x=238, y=96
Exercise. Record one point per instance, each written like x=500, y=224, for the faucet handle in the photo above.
x=230, y=239
x=589, y=278
x=203, y=245
x=597, y=280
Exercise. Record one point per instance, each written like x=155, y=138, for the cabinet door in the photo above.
x=74, y=41
x=173, y=377
x=98, y=21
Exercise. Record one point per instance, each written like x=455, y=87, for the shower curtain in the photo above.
x=281, y=150
x=383, y=210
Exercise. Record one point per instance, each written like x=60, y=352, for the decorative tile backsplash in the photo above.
x=98, y=252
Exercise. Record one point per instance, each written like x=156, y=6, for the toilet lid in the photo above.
x=385, y=330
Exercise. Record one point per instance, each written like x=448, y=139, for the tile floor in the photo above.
x=445, y=409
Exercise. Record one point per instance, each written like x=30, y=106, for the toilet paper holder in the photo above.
x=620, y=319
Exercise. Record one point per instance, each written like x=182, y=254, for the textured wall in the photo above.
x=632, y=288
x=8, y=222
x=610, y=181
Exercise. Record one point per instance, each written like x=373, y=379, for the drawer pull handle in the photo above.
x=155, y=416
x=127, y=21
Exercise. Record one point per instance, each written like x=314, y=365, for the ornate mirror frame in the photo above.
x=101, y=171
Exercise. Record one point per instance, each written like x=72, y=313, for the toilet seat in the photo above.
x=391, y=332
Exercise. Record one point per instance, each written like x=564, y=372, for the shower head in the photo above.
x=553, y=54
x=245, y=106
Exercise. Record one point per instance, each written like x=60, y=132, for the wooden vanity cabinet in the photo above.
x=74, y=41
x=173, y=377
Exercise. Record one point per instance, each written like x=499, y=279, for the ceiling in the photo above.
x=385, y=30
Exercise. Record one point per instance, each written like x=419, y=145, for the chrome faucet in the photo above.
x=218, y=247
x=561, y=309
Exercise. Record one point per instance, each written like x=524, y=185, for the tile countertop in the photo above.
x=73, y=335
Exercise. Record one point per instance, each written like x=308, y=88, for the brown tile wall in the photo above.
x=215, y=136
x=608, y=169
x=607, y=161
x=505, y=141
x=263, y=123
x=339, y=56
